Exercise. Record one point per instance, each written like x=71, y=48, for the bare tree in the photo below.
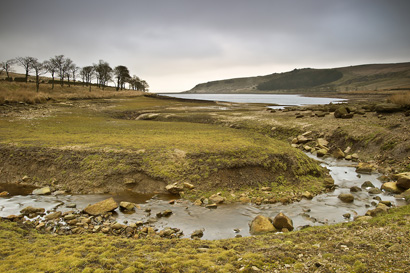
x=52, y=68
x=7, y=66
x=39, y=69
x=103, y=72
x=74, y=70
x=87, y=73
x=68, y=66
x=122, y=74
x=58, y=62
x=138, y=84
x=26, y=62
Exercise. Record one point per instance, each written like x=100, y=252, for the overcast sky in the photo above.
x=176, y=44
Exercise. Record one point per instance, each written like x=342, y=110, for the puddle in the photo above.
x=218, y=223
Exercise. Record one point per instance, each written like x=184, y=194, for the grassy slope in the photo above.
x=379, y=245
x=170, y=151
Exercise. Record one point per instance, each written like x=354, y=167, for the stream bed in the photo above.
x=228, y=220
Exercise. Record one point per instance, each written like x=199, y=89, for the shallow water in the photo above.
x=275, y=99
x=220, y=223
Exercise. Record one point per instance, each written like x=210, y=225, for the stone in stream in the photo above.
x=281, y=221
x=391, y=187
x=260, y=225
x=307, y=195
x=101, y=207
x=403, y=180
x=322, y=143
x=355, y=189
x=165, y=213
x=346, y=197
x=197, y=234
x=321, y=152
x=127, y=206
x=367, y=184
x=53, y=215
x=174, y=188
x=338, y=153
x=374, y=191
x=4, y=193
x=217, y=199
x=42, y=191
x=31, y=210
x=365, y=168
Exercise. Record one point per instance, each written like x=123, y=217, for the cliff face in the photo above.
x=353, y=78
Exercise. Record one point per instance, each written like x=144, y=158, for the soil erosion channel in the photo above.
x=228, y=220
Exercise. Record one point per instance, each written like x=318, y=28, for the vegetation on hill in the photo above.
x=304, y=78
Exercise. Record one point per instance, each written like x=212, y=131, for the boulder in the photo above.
x=42, y=191
x=375, y=191
x=346, y=197
x=198, y=202
x=355, y=189
x=53, y=215
x=281, y=221
x=391, y=187
x=321, y=152
x=174, y=188
x=165, y=213
x=355, y=156
x=307, y=195
x=3, y=193
x=338, y=153
x=31, y=210
x=197, y=234
x=302, y=139
x=343, y=112
x=387, y=108
x=403, y=180
x=365, y=168
x=127, y=205
x=322, y=143
x=367, y=184
x=261, y=224
x=102, y=207
x=217, y=199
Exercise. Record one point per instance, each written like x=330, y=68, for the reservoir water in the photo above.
x=273, y=99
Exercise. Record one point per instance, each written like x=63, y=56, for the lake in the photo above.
x=274, y=99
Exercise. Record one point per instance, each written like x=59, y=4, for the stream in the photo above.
x=228, y=220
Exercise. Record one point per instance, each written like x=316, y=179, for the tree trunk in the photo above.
x=52, y=84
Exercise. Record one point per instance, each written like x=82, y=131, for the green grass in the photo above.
x=378, y=245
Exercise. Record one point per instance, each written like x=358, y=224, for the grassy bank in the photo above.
x=380, y=244
x=91, y=141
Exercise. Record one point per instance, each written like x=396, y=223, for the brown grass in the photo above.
x=402, y=98
x=15, y=92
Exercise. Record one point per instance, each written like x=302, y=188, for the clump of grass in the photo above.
x=402, y=98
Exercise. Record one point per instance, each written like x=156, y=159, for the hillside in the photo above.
x=370, y=77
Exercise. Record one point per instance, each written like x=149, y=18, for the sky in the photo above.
x=176, y=44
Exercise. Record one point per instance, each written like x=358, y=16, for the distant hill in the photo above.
x=353, y=78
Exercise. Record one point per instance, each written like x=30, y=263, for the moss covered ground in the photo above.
x=381, y=244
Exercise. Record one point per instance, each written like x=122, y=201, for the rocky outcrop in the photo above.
x=102, y=207
x=260, y=225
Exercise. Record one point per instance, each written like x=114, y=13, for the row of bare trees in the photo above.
x=65, y=68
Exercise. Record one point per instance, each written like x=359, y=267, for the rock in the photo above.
x=174, y=188
x=363, y=218
x=127, y=206
x=197, y=234
x=59, y=193
x=53, y=215
x=387, y=203
x=281, y=221
x=391, y=187
x=347, y=215
x=348, y=157
x=71, y=206
x=387, y=108
x=301, y=139
x=102, y=207
x=403, y=180
x=117, y=226
x=347, y=150
x=198, y=202
x=217, y=199
x=321, y=152
x=346, y=197
x=266, y=189
x=4, y=193
x=31, y=210
x=365, y=168
x=129, y=181
x=338, y=153
x=355, y=156
x=355, y=189
x=42, y=191
x=211, y=206
x=329, y=183
x=69, y=217
x=322, y=143
x=367, y=184
x=307, y=195
x=320, y=114
x=343, y=112
x=374, y=191
x=261, y=224
x=189, y=186
x=307, y=148
x=244, y=200
x=165, y=213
